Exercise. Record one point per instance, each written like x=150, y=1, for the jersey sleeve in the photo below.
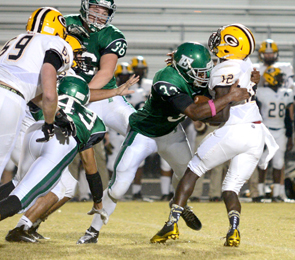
x=114, y=42
x=94, y=139
x=64, y=51
x=290, y=96
x=97, y=133
x=172, y=94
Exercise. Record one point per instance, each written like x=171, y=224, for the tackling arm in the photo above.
x=203, y=110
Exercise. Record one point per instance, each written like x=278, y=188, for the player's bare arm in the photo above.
x=203, y=110
x=95, y=183
x=106, y=72
x=49, y=99
x=122, y=90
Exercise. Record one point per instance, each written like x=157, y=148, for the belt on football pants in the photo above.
x=12, y=90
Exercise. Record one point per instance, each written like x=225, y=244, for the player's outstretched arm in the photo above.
x=122, y=90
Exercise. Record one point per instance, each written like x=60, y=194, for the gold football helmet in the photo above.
x=80, y=63
x=123, y=68
x=123, y=72
x=273, y=76
x=268, y=46
x=139, y=66
x=234, y=41
x=47, y=20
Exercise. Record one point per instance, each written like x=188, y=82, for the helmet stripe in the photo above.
x=38, y=19
x=249, y=36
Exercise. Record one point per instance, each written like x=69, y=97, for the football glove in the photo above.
x=103, y=214
x=65, y=123
x=48, y=130
x=77, y=30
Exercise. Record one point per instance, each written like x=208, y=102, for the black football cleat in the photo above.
x=33, y=231
x=18, y=234
x=191, y=219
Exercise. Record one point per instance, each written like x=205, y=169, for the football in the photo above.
x=201, y=99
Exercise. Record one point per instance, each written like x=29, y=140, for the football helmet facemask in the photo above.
x=268, y=46
x=234, y=41
x=274, y=76
x=47, y=20
x=80, y=63
x=85, y=12
x=75, y=87
x=193, y=62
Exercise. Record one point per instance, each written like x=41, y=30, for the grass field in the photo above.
x=267, y=232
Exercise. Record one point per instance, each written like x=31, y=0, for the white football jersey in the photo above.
x=273, y=105
x=227, y=73
x=22, y=57
x=285, y=67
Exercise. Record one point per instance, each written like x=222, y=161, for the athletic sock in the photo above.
x=175, y=213
x=24, y=221
x=109, y=204
x=165, y=184
x=234, y=219
x=136, y=188
x=260, y=188
x=276, y=189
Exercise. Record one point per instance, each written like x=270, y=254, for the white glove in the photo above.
x=103, y=214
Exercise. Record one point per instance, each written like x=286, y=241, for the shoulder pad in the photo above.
x=165, y=89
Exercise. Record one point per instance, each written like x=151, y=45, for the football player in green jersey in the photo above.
x=40, y=168
x=156, y=128
x=105, y=45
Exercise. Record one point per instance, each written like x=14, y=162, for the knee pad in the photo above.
x=117, y=190
x=59, y=190
x=197, y=166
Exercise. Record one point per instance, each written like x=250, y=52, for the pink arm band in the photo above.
x=212, y=106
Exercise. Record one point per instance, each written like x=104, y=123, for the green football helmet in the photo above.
x=193, y=62
x=85, y=12
x=76, y=87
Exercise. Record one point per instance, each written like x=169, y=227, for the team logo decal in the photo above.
x=185, y=61
x=104, y=2
x=62, y=20
x=231, y=40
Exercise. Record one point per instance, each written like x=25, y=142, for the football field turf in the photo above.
x=267, y=232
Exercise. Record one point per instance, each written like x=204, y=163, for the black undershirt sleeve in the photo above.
x=180, y=101
x=53, y=58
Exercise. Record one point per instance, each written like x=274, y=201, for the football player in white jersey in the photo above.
x=241, y=138
x=273, y=100
x=29, y=64
x=269, y=55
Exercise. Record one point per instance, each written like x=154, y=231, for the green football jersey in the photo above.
x=107, y=40
x=90, y=128
x=159, y=117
